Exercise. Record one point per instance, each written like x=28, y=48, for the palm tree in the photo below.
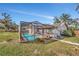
x=77, y=8
x=65, y=18
x=6, y=20
x=56, y=20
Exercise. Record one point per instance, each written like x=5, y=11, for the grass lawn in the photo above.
x=35, y=48
x=8, y=35
x=72, y=39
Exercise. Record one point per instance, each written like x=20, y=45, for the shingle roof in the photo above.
x=37, y=24
x=33, y=23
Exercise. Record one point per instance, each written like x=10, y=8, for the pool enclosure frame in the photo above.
x=35, y=29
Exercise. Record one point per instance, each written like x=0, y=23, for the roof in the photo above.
x=37, y=25
x=46, y=27
x=33, y=23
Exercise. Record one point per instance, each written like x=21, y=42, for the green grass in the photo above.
x=34, y=49
x=4, y=36
x=72, y=39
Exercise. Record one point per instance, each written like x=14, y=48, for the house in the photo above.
x=36, y=28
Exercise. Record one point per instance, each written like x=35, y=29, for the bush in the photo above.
x=72, y=30
x=68, y=33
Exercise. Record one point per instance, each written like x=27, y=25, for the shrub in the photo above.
x=68, y=33
x=72, y=30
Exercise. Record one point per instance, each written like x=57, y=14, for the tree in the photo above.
x=6, y=20
x=65, y=18
x=77, y=8
x=56, y=20
x=9, y=24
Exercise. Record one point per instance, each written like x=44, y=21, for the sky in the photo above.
x=42, y=12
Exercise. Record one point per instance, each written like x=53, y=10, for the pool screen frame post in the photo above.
x=34, y=31
x=19, y=31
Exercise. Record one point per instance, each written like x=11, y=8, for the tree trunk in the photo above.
x=66, y=26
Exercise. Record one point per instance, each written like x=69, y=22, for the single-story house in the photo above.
x=36, y=28
x=42, y=30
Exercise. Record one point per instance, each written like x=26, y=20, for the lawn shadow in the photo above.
x=42, y=41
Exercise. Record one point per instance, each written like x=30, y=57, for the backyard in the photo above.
x=14, y=48
x=5, y=36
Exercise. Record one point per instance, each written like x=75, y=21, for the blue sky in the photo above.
x=42, y=12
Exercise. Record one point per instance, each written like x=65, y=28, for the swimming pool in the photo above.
x=28, y=37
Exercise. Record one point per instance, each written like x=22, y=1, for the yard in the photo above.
x=31, y=49
x=72, y=39
x=5, y=36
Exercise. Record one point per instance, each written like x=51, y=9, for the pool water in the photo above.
x=29, y=37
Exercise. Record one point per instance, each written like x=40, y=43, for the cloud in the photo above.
x=33, y=14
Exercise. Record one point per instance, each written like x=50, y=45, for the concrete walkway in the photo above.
x=68, y=42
